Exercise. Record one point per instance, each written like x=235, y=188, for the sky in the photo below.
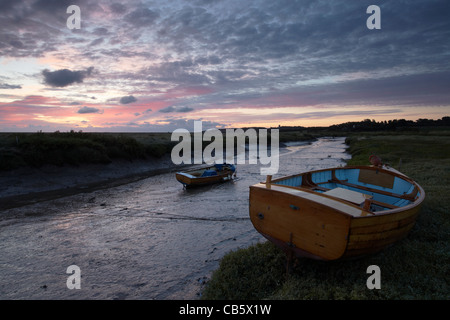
x=157, y=66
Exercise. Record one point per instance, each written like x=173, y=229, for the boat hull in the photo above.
x=317, y=226
x=196, y=177
x=305, y=227
x=373, y=234
x=200, y=181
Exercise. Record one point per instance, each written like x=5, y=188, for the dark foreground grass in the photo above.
x=416, y=267
x=77, y=148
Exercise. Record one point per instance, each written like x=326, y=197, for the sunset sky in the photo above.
x=159, y=65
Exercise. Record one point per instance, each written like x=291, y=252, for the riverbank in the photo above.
x=44, y=166
x=40, y=166
x=29, y=185
x=19, y=150
x=414, y=268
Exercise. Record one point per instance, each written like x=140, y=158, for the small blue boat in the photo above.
x=207, y=175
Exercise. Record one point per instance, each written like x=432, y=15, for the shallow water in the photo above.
x=149, y=239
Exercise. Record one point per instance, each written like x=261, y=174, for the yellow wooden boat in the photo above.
x=336, y=213
x=206, y=175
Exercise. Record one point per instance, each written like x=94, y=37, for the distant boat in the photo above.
x=336, y=213
x=206, y=175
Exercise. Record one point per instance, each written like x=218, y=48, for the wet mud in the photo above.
x=142, y=239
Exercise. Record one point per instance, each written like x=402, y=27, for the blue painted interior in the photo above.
x=323, y=179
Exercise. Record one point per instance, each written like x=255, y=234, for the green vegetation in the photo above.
x=76, y=148
x=414, y=268
x=304, y=135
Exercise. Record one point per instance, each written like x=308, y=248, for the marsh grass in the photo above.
x=76, y=148
x=416, y=267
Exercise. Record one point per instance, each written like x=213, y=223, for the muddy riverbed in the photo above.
x=146, y=239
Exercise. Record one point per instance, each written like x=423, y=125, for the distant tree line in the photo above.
x=397, y=124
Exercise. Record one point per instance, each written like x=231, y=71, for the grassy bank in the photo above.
x=414, y=268
x=76, y=148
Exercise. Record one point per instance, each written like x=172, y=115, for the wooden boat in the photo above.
x=336, y=213
x=206, y=175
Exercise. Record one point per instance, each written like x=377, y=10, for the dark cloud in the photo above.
x=184, y=109
x=167, y=109
x=44, y=5
x=179, y=71
x=88, y=110
x=100, y=31
x=142, y=17
x=127, y=99
x=117, y=8
x=9, y=86
x=305, y=38
x=176, y=109
x=96, y=42
x=65, y=77
x=7, y=5
x=419, y=89
x=34, y=28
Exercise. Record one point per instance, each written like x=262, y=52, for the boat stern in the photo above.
x=293, y=220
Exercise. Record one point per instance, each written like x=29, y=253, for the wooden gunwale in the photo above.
x=381, y=225
x=376, y=241
x=374, y=168
x=309, y=185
